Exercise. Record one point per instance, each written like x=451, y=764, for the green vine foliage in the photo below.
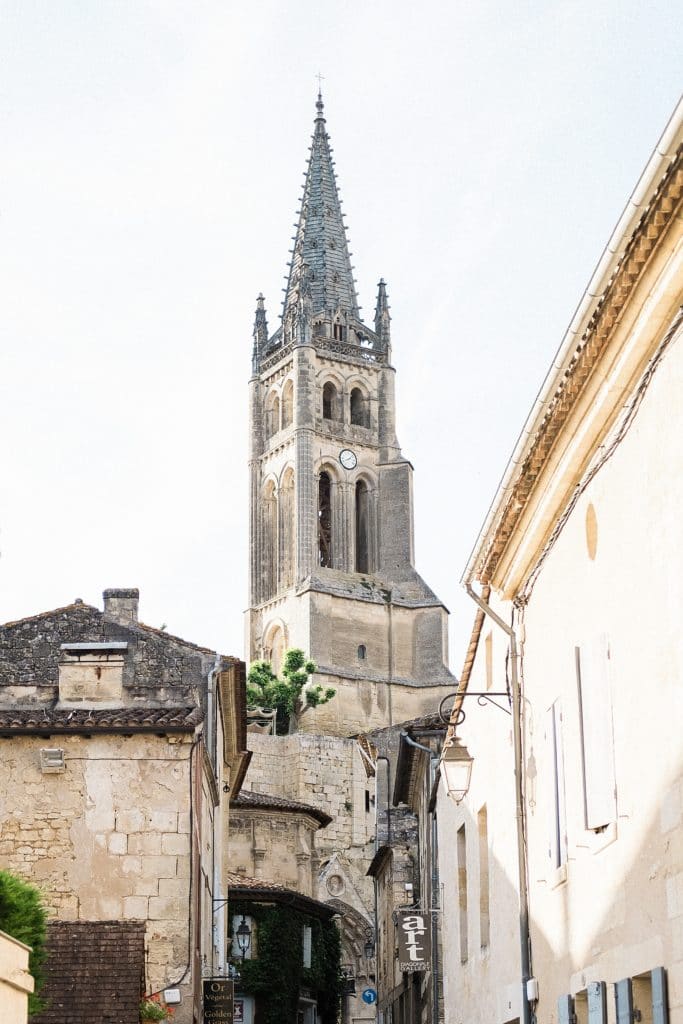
x=286, y=695
x=276, y=975
x=23, y=917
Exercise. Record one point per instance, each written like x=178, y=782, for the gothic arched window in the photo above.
x=359, y=408
x=272, y=414
x=268, y=542
x=287, y=530
x=362, y=527
x=325, y=520
x=330, y=402
x=287, y=404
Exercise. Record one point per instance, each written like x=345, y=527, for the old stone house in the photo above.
x=583, y=554
x=120, y=747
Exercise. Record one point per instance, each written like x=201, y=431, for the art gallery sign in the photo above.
x=414, y=940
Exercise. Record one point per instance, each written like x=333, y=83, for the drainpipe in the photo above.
x=524, y=937
x=434, y=866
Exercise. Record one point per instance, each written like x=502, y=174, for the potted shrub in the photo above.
x=151, y=1009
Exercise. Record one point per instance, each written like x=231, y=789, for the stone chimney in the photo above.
x=121, y=606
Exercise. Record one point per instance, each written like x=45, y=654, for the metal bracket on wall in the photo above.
x=483, y=698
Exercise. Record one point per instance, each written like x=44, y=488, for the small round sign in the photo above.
x=369, y=995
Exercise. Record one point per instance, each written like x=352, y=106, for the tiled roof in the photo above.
x=241, y=887
x=263, y=801
x=42, y=719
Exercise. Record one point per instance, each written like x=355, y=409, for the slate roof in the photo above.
x=263, y=801
x=320, y=243
x=42, y=720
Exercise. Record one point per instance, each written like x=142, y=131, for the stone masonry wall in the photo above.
x=107, y=839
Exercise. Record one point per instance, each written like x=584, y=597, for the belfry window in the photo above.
x=330, y=402
x=272, y=415
x=325, y=520
x=359, y=409
x=287, y=404
x=339, y=332
x=362, y=527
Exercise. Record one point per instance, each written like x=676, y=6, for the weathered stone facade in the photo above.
x=116, y=741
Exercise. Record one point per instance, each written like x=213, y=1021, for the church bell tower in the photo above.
x=331, y=511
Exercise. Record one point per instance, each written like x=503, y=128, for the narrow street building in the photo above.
x=120, y=745
x=583, y=554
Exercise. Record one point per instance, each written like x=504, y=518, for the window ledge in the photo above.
x=558, y=877
x=597, y=841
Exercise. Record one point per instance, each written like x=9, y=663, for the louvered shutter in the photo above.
x=623, y=996
x=592, y=667
x=597, y=1003
x=660, y=1005
x=565, y=1010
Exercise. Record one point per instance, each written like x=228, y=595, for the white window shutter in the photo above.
x=592, y=666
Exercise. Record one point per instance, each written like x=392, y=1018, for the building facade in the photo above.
x=120, y=744
x=583, y=556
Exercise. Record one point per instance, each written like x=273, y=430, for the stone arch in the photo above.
x=275, y=642
x=287, y=403
x=268, y=531
x=287, y=527
x=272, y=413
x=359, y=407
x=325, y=519
x=331, y=401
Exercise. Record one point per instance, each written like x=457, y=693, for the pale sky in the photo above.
x=152, y=160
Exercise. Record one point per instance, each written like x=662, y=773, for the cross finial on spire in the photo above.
x=319, y=104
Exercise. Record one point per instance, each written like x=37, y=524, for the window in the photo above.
x=287, y=404
x=339, y=332
x=268, y=542
x=484, y=921
x=287, y=530
x=272, y=423
x=325, y=520
x=359, y=408
x=462, y=891
x=595, y=710
x=558, y=812
x=643, y=998
x=362, y=527
x=362, y=651
x=330, y=402
x=306, y=941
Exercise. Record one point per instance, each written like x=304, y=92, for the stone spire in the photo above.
x=321, y=263
x=382, y=315
x=260, y=330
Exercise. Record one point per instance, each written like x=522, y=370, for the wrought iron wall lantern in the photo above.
x=456, y=769
x=243, y=935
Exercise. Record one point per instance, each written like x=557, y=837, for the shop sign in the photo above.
x=218, y=1000
x=414, y=941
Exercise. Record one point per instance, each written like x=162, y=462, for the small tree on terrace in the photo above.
x=286, y=695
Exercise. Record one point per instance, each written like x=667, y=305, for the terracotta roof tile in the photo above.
x=42, y=719
x=263, y=801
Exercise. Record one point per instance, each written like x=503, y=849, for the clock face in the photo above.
x=348, y=458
